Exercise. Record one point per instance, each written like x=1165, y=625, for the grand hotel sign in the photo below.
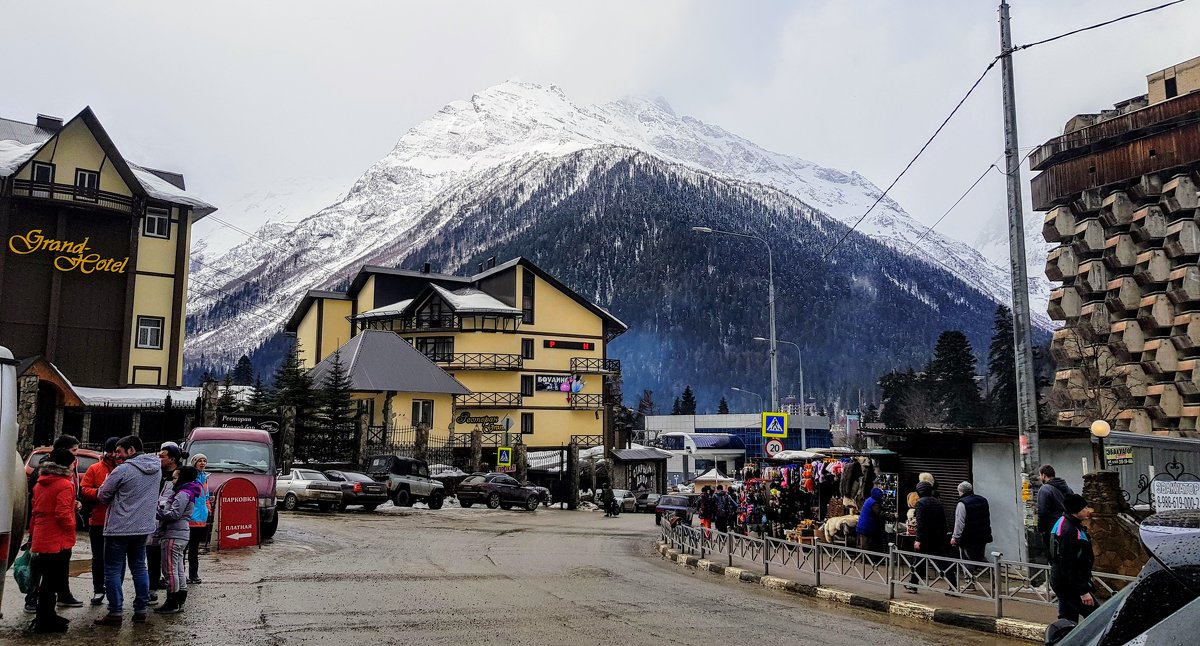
x=69, y=255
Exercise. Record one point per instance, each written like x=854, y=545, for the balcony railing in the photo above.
x=595, y=365
x=479, y=361
x=584, y=401
x=489, y=400
x=72, y=193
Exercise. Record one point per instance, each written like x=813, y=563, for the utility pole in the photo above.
x=1022, y=327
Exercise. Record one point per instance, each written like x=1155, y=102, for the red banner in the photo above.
x=235, y=519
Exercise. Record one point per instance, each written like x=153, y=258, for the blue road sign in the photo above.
x=774, y=425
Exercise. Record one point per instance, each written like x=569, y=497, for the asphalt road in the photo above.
x=477, y=576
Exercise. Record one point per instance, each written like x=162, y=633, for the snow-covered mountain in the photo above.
x=506, y=140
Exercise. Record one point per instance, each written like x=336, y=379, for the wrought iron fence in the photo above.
x=480, y=361
x=595, y=365
x=587, y=441
x=489, y=400
x=105, y=199
x=997, y=581
x=1175, y=471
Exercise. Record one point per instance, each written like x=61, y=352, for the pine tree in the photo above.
x=227, y=402
x=1002, y=371
x=294, y=387
x=260, y=397
x=723, y=407
x=676, y=409
x=337, y=404
x=871, y=415
x=243, y=372
x=952, y=378
x=687, y=403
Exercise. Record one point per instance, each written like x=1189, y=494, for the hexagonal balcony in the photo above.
x=1061, y=264
x=1153, y=267
x=1160, y=358
x=1183, y=239
x=1123, y=295
x=1089, y=239
x=1120, y=253
x=1155, y=312
x=1149, y=224
x=1179, y=197
x=1059, y=223
x=1117, y=210
x=1064, y=304
x=1183, y=286
x=1127, y=340
x=1163, y=401
x=1185, y=334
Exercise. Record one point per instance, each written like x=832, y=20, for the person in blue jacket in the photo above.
x=870, y=523
x=199, y=521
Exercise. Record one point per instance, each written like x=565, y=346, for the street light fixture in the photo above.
x=770, y=302
x=800, y=358
x=750, y=392
x=1100, y=430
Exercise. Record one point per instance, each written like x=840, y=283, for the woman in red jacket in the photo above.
x=52, y=532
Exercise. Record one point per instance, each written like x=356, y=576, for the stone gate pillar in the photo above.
x=209, y=414
x=522, y=460
x=476, y=449
x=287, y=437
x=27, y=396
x=573, y=472
x=1117, y=546
x=421, y=442
x=360, y=427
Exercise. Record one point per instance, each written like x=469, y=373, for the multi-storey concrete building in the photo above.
x=1119, y=189
x=530, y=350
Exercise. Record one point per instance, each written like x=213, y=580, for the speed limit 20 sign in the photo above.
x=773, y=448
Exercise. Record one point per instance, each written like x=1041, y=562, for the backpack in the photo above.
x=708, y=506
x=725, y=506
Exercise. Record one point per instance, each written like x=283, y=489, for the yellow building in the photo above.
x=512, y=334
x=94, y=265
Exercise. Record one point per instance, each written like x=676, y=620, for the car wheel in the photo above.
x=369, y=508
x=435, y=501
x=493, y=501
x=531, y=504
x=290, y=502
x=268, y=529
x=324, y=506
x=402, y=499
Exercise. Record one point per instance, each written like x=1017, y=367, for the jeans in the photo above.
x=54, y=587
x=96, y=535
x=118, y=550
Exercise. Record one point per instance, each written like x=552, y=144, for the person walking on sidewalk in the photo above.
x=198, y=524
x=972, y=527
x=931, y=537
x=175, y=507
x=52, y=530
x=131, y=493
x=708, y=509
x=870, y=522
x=726, y=509
x=1071, y=560
x=1050, y=498
x=89, y=486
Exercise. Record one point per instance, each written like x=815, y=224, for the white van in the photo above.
x=12, y=472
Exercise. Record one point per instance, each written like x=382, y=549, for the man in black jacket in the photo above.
x=1071, y=560
x=931, y=535
x=1050, y=502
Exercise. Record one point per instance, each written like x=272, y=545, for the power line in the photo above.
x=1095, y=26
x=962, y=197
x=914, y=159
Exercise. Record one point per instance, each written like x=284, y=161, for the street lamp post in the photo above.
x=1100, y=430
x=770, y=302
x=750, y=392
x=800, y=358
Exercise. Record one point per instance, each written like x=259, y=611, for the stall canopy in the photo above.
x=710, y=478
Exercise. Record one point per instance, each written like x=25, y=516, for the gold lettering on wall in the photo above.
x=72, y=255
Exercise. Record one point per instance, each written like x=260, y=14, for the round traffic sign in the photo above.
x=773, y=447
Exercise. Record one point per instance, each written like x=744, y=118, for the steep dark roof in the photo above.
x=378, y=361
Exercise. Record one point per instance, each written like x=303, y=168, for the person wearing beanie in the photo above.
x=1071, y=560
x=870, y=522
x=175, y=507
x=52, y=535
x=170, y=458
x=89, y=486
x=199, y=522
x=972, y=525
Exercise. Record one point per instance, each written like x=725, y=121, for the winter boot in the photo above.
x=171, y=606
x=181, y=597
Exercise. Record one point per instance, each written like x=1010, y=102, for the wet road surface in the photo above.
x=476, y=576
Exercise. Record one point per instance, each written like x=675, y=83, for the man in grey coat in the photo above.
x=131, y=493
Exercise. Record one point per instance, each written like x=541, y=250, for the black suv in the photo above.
x=497, y=490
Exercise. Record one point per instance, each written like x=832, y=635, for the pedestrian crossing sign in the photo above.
x=504, y=456
x=774, y=425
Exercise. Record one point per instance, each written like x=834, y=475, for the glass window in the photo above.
x=422, y=412
x=526, y=423
x=157, y=223
x=42, y=174
x=87, y=184
x=150, y=332
x=474, y=480
x=527, y=348
x=527, y=281
x=437, y=348
x=236, y=456
x=527, y=385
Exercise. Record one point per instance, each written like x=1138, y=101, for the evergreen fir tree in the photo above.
x=952, y=379
x=337, y=404
x=687, y=403
x=227, y=402
x=871, y=415
x=294, y=387
x=723, y=407
x=675, y=408
x=260, y=397
x=1002, y=370
x=243, y=372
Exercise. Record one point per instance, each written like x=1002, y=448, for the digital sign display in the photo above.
x=568, y=345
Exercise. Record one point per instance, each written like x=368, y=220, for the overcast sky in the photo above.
x=246, y=95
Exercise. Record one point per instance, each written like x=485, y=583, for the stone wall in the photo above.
x=1118, y=549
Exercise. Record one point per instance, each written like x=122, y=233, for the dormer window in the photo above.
x=43, y=179
x=157, y=223
x=87, y=184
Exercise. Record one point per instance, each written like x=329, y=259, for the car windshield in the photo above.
x=473, y=480
x=311, y=475
x=235, y=456
x=620, y=493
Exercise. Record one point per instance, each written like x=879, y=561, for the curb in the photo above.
x=1028, y=630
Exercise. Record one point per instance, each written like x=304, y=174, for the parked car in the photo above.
x=645, y=502
x=307, y=487
x=358, y=489
x=407, y=480
x=625, y=498
x=84, y=458
x=543, y=493
x=1163, y=605
x=240, y=453
x=497, y=490
x=675, y=505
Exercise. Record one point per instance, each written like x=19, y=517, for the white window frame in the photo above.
x=84, y=192
x=145, y=323
x=160, y=218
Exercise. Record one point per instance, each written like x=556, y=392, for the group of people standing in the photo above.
x=971, y=533
x=148, y=513
x=718, y=508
